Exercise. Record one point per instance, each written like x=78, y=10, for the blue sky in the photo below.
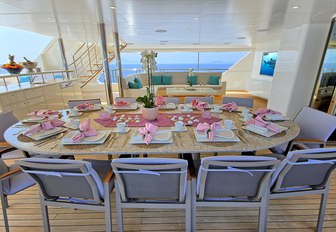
x=21, y=44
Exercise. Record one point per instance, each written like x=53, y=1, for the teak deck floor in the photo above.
x=296, y=214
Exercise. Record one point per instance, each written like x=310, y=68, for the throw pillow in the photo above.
x=133, y=85
x=137, y=80
x=213, y=80
x=157, y=80
x=193, y=79
x=167, y=80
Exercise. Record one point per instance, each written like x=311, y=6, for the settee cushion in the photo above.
x=133, y=85
x=156, y=80
x=138, y=81
x=213, y=80
x=167, y=80
x=193, y=79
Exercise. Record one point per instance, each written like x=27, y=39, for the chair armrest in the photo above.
x=11, y=173
x=5, y=144
x=108, y=176
x=7, y=149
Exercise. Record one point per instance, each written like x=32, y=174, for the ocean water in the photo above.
x=130, y=69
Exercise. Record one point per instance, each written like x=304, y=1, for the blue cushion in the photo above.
x=167, y=80
x=213, y=80
x=193, y=79
x=133, y=85
x=157, y=80
x=138, y=81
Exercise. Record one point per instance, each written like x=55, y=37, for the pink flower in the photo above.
x=159, y=101
x=148, y=131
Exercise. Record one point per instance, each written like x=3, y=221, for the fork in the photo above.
x=39, y=144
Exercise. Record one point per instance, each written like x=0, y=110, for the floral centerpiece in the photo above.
x=12, y=67
x=150, y=110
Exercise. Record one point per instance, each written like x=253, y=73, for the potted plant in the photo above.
x=149, y=110
x=12, y=67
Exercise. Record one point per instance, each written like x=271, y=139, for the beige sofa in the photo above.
x=178, y=80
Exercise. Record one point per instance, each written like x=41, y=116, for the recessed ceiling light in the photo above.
x=251, y=25
x=160, y=31
x=50, y=18
x=241, y=37
x=113, y=7
x=196, y=18
x=263, y=30
x=163, y=41
x=296, y=7
x=227, y=43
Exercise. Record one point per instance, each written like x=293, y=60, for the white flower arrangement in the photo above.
x=148, y=60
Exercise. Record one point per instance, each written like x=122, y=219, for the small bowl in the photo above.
x=29, y=65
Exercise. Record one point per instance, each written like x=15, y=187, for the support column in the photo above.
x=104, y=54
x=118, y=63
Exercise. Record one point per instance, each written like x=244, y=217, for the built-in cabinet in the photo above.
x=50, y=96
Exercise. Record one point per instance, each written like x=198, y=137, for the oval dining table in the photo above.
x=183, y=142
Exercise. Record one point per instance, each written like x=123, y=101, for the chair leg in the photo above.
x=108, y=215
x=263, y=212
x=323, y=206
x=188, y=213
x=193, y=205
x=4, y=205
x=119, y=208
x=45, y=216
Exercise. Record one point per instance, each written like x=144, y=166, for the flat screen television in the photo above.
x=268, y=63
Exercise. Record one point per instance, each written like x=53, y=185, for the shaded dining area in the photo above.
x=203, y=164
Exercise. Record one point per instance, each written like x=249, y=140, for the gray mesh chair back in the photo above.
x=234, y=181
x=7, y=119
x=175, y=100
x=247, y=102
x=218, y=177
x=315, y=129
x=305, y=172
x=209, y=100
x=73, y=103
x=68, y=183
x=128, y=99
x=151, y=183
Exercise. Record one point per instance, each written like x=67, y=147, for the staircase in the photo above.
x=87, y=61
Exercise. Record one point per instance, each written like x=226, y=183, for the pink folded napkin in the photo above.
x=121, y=103
x=85, y=106
x=148, y=131
x=209, y=129
x=230, y=106
x=194, y=102
x=104, y=115
x=85, y=131
x=43, y=113
x=160, y=101
x=264, y=111
x=258, y=121
x=201, y=105
x=47, y=125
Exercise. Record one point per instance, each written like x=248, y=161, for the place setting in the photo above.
x=263, y=128
x=150, y=134
x=40, y=115
x=84, y=107
x=214, y=132
x=121, y=128
x=124, y=105
x=74, y=113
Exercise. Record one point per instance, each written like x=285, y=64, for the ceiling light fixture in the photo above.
x=196, y=18
x=113, y=7
x=163, y=41
x=160, y=31
x=241, y=37
x=296, y=7
x=251, y=25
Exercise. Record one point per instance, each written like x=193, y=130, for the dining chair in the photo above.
x=315, y=129
x=128, y=99
x=305, y=172
x=233, y=181
x=12, y=181
x=175, y=100
x=152, y=183
x=8, y=119
x=71, y=184
x=209, y=100
x=240, y=101
x=73, y=103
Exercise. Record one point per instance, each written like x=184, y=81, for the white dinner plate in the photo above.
x=45, y=134
x=169, y=106
x=33, y=119
x=67, y=140
x=95, y=107
x=161, y=136
x=275, y=117
x=219, y=136
x=268, y=133
x=132, y=106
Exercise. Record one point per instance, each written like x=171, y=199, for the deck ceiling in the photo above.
x=203, y=24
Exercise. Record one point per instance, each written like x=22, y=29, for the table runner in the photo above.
x=163, y=120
